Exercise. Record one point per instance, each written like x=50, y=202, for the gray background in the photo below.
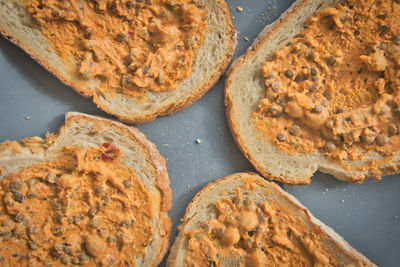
x=366, y=215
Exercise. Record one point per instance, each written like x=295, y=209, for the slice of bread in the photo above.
x=137, y=153
x=256, y=189
x=245, y=86
x=212, y=58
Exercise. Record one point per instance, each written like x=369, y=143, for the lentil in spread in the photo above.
x=335, y=87
x=128, y=46
x=81, y=208
x=246, y=233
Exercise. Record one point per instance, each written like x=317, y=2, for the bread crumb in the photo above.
x=396, y=217
x=239, y=9
x=188, y=185
x=197, y=141
x=167, y=145
x=27, y=117
x=342, y=200
x=246, y=39
x=326, y=189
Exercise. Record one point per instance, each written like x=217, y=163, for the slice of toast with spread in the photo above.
x=244, y=220
x=96, y=193
x=136, y=59
x=319, y=90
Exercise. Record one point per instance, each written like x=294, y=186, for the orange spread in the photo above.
x=128, y=46
x=335, y=87
x=80, y=208
x=246, y=233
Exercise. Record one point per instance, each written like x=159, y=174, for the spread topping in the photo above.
x=244, y=232
x=81, y=208
x=128, y=46
x=335, y=87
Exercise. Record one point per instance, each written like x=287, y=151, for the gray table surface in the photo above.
x=366, y=215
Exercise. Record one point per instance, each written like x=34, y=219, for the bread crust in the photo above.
x=185, y=100
x=306, y=164
x=154, y=159
x=226, y=184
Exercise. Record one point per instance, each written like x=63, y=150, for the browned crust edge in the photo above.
x=261, y=38
x=164, y=110
x=166, y=224
x=173, y=252
x=262, y=182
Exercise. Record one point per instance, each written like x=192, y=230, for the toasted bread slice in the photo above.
x=245, y=86
x=137, y=154
x=212, y=58
x=255, y=190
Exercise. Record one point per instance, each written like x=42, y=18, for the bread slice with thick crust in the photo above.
x=202, y=209
x=17, y=25
x=245, y=87
x=137, y=153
